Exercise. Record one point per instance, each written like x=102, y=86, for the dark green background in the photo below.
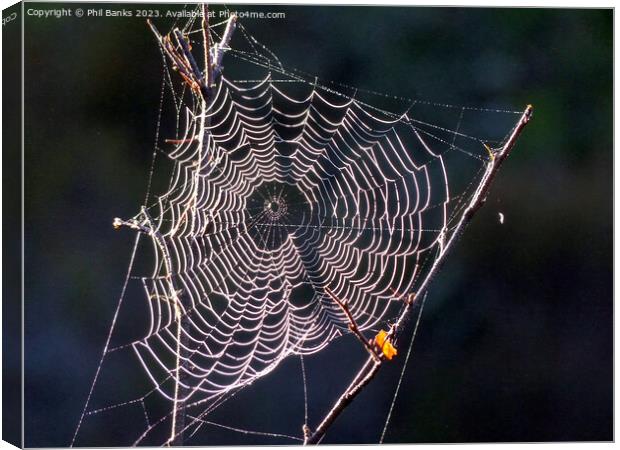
x=516, y=342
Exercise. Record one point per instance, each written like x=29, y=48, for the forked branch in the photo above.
x=353, y=326
x=371, y=367
x=177, y=48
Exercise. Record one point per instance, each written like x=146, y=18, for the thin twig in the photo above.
x=184, y=61
x=187, y=54
x=146, y=226
x=179, y=141
x=221, y=48
x=180, y=63
x=474, y=205
x=206, y=39
x=353, y=326
x=362, y=378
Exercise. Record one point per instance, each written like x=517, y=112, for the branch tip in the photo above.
x=529, y=110
x=307, y=432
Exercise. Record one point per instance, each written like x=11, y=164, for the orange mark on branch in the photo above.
x=385, y=345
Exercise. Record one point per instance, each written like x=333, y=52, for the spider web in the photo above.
x=279, y=188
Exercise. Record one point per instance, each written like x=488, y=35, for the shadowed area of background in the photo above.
x=516, y=340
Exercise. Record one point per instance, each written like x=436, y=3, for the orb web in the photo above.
x=273, y=208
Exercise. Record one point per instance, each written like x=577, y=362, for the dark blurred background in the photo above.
x=516, y=341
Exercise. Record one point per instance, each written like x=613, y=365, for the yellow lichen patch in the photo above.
x=488, y=149
x=385, y=345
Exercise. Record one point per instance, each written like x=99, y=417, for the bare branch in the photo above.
x=184, y=61
x=146, y=226
x=206, y=39
x=186, y=52
x=353, y=326
x=221, y=48
x=363, y=377
x=370, y=368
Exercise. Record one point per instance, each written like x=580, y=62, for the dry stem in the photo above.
x=353, y=326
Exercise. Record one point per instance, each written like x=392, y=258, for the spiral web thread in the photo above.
x=280, y=187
